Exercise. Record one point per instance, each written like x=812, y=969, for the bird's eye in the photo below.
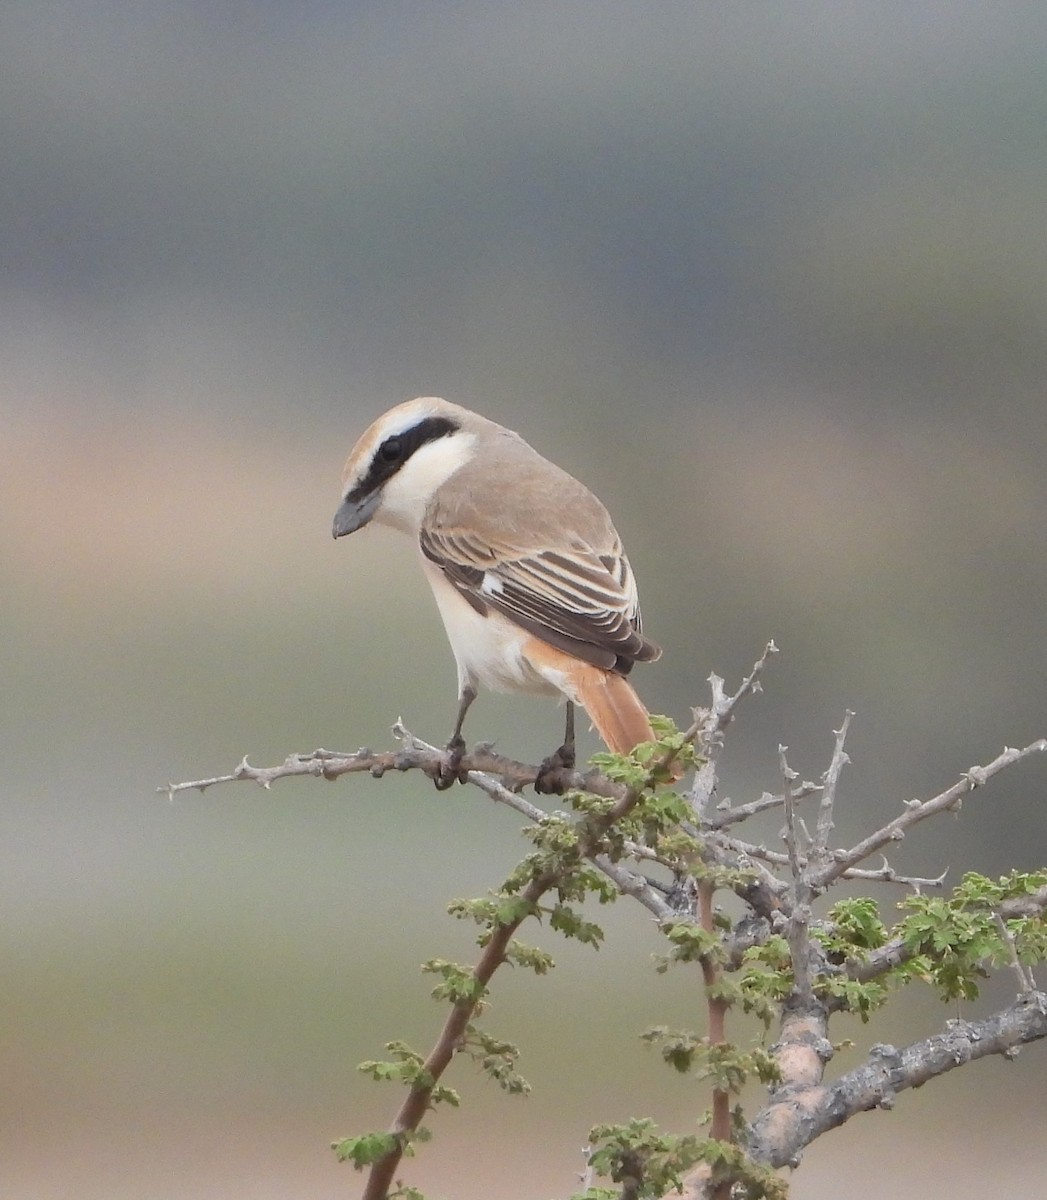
x=390, y=450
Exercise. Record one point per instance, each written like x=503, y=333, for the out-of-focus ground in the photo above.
x=772, y=281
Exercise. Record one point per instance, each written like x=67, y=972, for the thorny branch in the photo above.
x=917, y=810
x=804, y=1109
x=783, y=885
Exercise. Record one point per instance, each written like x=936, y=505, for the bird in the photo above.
x=528, y=572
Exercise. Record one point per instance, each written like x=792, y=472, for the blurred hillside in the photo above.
x=771, y=281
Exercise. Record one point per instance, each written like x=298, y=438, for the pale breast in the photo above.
x=488, y=649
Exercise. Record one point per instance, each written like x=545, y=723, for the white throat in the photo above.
x=406, y=496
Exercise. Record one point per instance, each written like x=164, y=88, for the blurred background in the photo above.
x=771, y=279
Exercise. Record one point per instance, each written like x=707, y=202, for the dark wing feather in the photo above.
x=576, y=599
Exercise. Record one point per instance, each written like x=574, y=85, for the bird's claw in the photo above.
x=549, y=781
x=448, y=771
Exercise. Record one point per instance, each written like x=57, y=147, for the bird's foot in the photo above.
x=550, y=778
x=449, y=771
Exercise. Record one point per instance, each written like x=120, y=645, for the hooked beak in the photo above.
x=354, y=514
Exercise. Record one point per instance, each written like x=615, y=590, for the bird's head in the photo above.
x=400, y=461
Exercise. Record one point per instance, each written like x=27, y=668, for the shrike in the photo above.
x=528, y=572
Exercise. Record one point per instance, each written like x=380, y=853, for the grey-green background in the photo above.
x=771, y=278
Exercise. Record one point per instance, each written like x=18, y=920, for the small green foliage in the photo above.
x=459, y=985
x=496, y=1058
x=369, y=1148
x=1030, y=939
x=408, y=1067
x=678, y=1047
x=650, y=763
x=571, y=924
x=621, y=768
x=589, y=803
x=761, y=983
x=690, y=943
x=729, y=1162
x=853, y=996
x=679, y=849
x=662, y=812
x=651, y=1164
x=366, y=1149
x=558, y=853
x=555, y=832
x=723, y=1063
x=637, y=1154
x=951, y=939
x=535, y=960
x=497, y=911
x=594, y=883
x=584, y=880
x=405, y=1193
x=954, y=942
x=852, y=929
x=728, y=1068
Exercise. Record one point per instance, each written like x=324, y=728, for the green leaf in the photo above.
x=570, y=923
x=531, y=957
x=364, y=1150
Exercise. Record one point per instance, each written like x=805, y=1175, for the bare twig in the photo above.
x=884, y=874
x=413, y=755
x=728, y=814
x=802, y=894
x=711, y=724
x=1026, y=982
x=824, y=825
x=917, y=811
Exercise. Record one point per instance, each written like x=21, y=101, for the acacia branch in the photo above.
x=895, y=952
x=413, y=755
x=419, y=1095
x=728, y=814
x=712, y=722
x=799, y=1113
x=800, y=1106
x=824, y=825
x=916, y=811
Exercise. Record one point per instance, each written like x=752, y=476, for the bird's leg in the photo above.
x=548, y=781
x=449, y=771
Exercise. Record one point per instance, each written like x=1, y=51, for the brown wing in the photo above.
x=576, y=599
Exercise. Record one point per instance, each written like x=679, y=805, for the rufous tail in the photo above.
x=614, y=708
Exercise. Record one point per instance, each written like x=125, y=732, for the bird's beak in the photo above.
x=354, y=514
